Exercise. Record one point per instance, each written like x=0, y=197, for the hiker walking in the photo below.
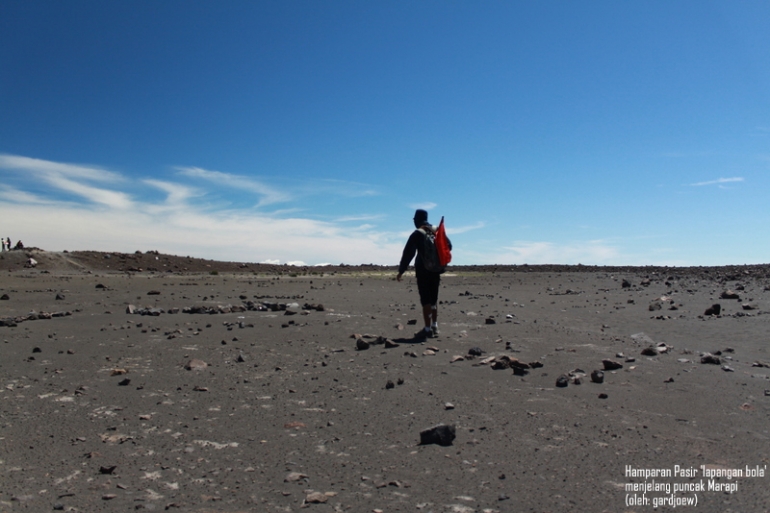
x=426, y=269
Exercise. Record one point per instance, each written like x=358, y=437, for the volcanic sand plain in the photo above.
x=279, y=411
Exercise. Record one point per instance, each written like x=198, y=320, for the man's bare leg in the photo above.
x=427, y=314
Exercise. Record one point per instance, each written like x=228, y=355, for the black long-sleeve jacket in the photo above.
x=414, y=245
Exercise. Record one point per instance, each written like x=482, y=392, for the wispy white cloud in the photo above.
x=70, y=178
x=105, y=197
x=13, y=195
x=177, y=193
x=47, y=168
x=718, y=181
x=268, y=194
x=425, y=206
x=110, y=220
x=456, y=230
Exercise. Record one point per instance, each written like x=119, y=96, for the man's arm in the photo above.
x=409, y=251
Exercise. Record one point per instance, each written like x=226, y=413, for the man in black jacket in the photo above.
x=427, y=281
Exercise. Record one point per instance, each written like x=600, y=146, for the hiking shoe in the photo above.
x=434, y=331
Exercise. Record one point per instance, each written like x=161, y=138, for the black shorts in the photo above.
x=427, y=285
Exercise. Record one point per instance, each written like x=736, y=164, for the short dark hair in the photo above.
x=420, y=217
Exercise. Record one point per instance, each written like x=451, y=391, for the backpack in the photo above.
x=443, y=245
x=429, y=252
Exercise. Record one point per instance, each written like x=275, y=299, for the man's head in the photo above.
x=420, y=217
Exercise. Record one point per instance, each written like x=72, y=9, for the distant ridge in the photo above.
x=155, y=262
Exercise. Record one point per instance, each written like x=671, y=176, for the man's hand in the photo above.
x=398, y=276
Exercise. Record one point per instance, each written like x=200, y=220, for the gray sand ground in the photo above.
x=287, y=406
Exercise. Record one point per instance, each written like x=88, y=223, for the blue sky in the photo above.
x=608, y=133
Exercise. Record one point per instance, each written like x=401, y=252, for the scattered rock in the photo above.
x=499, y=364
x=649, y=351
x=611, y=365
x=196, y=365
x=519, y=371
x=597, y=376
x=729, y=294
x=362, y=344
x=714, y=309
x=603, y=396
x=316, y=498
x=441, y=434
x=154, y=293
x=389, y=385
x=710, y=358
x=293, y=477
x=475, y=351
x=562, y=381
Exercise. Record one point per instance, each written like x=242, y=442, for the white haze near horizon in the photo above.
x=61, y=206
